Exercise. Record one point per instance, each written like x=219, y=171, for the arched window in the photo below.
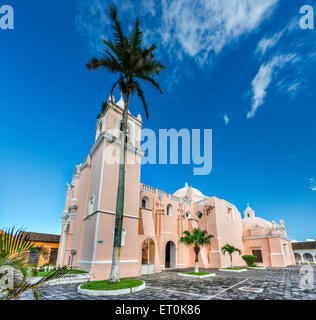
x=188, y=214
x=127, y=131
x=198, y=215
x=169, y=210
x=145, y=202
x=91, y=204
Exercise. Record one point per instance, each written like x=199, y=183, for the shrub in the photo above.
x=250, y=260
x=34, y=272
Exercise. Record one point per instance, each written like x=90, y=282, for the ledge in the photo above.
x=231, y=270
x=257, y=268
x=100, y=293
x=196, y=276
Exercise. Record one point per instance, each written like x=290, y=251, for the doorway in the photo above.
x=170, y=260
x=148, y=256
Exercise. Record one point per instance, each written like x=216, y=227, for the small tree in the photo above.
x=197, y=238
x=250, y=260
x=230, y=249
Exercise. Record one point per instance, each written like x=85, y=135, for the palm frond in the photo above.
x=136, y=37
x=14, y=293
x=140, y=93
x=117, y=27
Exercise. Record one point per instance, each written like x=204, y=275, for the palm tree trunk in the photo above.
x=196, y=250
x=231, y=260
x=115, y=269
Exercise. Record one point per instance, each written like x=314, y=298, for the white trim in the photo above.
x=106, y=262
x=181, y=264
x=62, y=246
x=101, y=177
x=110, y=212
x=98, y=215
x=215, y=251
x=267, y=236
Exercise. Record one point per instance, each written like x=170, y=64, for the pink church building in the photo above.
x=153, y=220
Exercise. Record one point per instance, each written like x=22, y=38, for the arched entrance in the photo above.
x=170, y=260
x=148, y=256
x=308, y=257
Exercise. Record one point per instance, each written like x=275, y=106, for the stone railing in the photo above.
x=148, y=188
x=164, y=194
x=177, y=199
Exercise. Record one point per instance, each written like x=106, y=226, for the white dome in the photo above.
x=263, y=226
x=189, y=193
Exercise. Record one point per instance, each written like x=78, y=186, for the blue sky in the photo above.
x=248, y=76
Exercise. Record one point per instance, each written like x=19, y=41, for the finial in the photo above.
x=186, y=185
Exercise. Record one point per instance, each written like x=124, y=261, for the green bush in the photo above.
x=250, y=260
x=34, y=272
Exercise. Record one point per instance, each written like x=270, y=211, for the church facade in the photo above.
x=153, y=220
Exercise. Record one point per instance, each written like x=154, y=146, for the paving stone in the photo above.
x=277, y=284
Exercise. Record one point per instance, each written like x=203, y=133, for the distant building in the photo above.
x=45, y=248
x=153, y=220
x=304, y=251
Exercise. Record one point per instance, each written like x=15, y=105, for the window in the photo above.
x=127, y=131
x=169, y=210
x=258, y=254
x=91, y=205
x=198, y=215
x=188, y=215
x=145, y=202
x=230, y=214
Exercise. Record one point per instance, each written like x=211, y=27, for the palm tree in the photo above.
x=14, y=252
x=197, y=238
x=230, y=249
x=127, y=57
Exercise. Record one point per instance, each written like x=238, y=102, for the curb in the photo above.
x=195, y=276
x=229, y=270
x=100, y=293
x=64, y=280
x=262, y=268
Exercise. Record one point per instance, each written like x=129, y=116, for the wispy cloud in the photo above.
x=268, y=43
x=226, y=119
x=294, y=87
x=287, y=39
x=197, y=28
x=263, y=79
x=312, y=184
x=202, y=28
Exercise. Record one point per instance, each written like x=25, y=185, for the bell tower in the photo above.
x=249, y=213
x=103, y=179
